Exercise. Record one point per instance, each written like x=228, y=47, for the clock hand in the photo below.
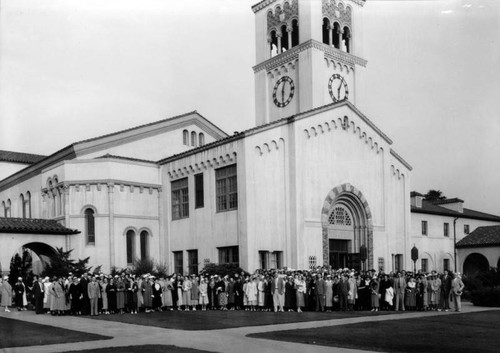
x=340, y=87
x=283, y=93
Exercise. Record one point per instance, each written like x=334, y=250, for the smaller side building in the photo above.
x=437, y=226
x=480, y=250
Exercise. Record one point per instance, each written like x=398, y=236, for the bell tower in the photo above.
x=306, y=54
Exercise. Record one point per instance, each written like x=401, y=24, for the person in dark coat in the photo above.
x=75, y=295
x=85, y=301
x=156, y=292
x=111, y=291
x=38, y=293
x=343, y=292
x=18, y=294
x=290, y=297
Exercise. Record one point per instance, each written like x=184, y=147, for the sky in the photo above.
x=76, y=69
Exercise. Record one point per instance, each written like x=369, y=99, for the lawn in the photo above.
x=17, y=333
x=472, y=332
x=150, y=348
x=216, y=320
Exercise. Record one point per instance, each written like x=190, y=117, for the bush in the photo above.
x=480, y=280
x=486, y=297
x=222, y=270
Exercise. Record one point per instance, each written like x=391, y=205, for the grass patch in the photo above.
x=17, y=333
x=150, y=348
x=471, y=332
x=217, y=320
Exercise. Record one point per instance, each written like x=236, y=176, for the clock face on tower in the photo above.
x=337, y=86
x=283, y=91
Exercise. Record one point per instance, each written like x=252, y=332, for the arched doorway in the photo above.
x=475, y=263
x=31, y=258
x=347, y=227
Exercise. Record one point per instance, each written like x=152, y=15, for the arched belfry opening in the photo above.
x=347, y=228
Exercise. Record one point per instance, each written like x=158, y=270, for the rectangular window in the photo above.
x=424, y=227
x=226, y=188
x=264, y=257
x=446, y=229
x=229, y=255
x=279, y=258
x=446, y=264
x=180, y=199
x=466, y=229
x=178, y=262
x=425, y=265
x=198, y=191
x=193, y=262
x=381, y=264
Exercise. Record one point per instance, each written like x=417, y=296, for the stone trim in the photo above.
x=330, y=202
x=194, y=168
x=293, y=54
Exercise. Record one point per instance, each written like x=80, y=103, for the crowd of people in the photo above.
x=320, y=289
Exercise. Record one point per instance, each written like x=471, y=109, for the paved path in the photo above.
x=231, y=340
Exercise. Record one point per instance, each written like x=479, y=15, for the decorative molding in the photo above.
x=336, y=11
x=400, y=159
x=282, y=16
x=176, y=172
x=293, y=55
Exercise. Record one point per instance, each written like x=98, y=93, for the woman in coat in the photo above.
x=157, y=293
x=6, y=294
x=251, y=292
x=59, y=297
x=111, y=292
x=329, y=293
x=187, y=285
x=375, y=293
x=195, y=292
x=147, y=293
x=120, y=294
x=290, y=300
x=18, y=294
x=221, y=293
x=167, y=294
x=300, y=288
x=104, y=296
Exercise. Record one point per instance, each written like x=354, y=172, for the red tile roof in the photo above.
x=33, y=226
x=18, y=157
x=481, y=237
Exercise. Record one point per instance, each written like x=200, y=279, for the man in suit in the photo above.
x=84, y=283
x=343, y=291
x=399, y=291
x=38, y=292
x=94, y=293
x=320, y=293
x=278, y=292
x=445, y=290
x=457, y=287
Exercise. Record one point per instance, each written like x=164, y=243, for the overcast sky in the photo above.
x=71, y=70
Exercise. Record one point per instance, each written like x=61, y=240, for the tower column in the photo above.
x=278, y=35
x=111, y=210
x=289, y=31
x=330, y=35
x=341, y=43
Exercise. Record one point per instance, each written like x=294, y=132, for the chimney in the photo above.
x=416, y=199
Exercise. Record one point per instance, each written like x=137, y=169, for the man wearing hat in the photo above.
x=85, y=302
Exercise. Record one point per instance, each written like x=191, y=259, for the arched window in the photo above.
x=284, y=39
x=201, y=139
x=185, y=137
x=130, y=246
x=90, y=226
x=193, y=138
x=3, y=210
x=273, y=44
x=295, y=33
x=27, y=204
x=21, y=205
x=326, y=31
x=346, y=37
x=7, y=208
x=144, y=245
x=336, y=35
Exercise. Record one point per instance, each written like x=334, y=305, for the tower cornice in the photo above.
x=293, y=54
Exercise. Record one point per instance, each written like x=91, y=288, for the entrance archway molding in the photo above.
x=348, y=194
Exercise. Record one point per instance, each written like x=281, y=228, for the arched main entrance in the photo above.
x=346, y=226
x=475, y=263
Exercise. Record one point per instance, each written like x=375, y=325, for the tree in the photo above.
x=61, y=265
x=21, y=267
x=434, y=195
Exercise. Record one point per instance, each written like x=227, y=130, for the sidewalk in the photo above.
x=226, y=340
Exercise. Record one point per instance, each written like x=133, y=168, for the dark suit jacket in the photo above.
x=280, y=285
x=320, y=288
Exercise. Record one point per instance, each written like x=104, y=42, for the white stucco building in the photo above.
x=315, y=182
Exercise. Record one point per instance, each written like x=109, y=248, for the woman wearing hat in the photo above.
x=18, y=293
x=6, y=294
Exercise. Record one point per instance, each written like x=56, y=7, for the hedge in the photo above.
x=486, y=297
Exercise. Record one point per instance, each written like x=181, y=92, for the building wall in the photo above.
x=435, y=246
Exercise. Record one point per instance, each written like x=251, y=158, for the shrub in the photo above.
x=222, y=269
x=486, y=297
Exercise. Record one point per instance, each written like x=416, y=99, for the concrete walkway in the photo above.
x=227, y=340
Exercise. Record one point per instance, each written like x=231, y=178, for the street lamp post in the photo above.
x=363, y=255
x=414, y=257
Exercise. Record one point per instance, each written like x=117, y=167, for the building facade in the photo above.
x=316, y=182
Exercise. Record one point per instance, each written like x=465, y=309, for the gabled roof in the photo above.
x=18, y=157
x=431, y=208
x=95, y=144
x=283, y=121
x=481, y=237
x=33, y=226
x=447, y=201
